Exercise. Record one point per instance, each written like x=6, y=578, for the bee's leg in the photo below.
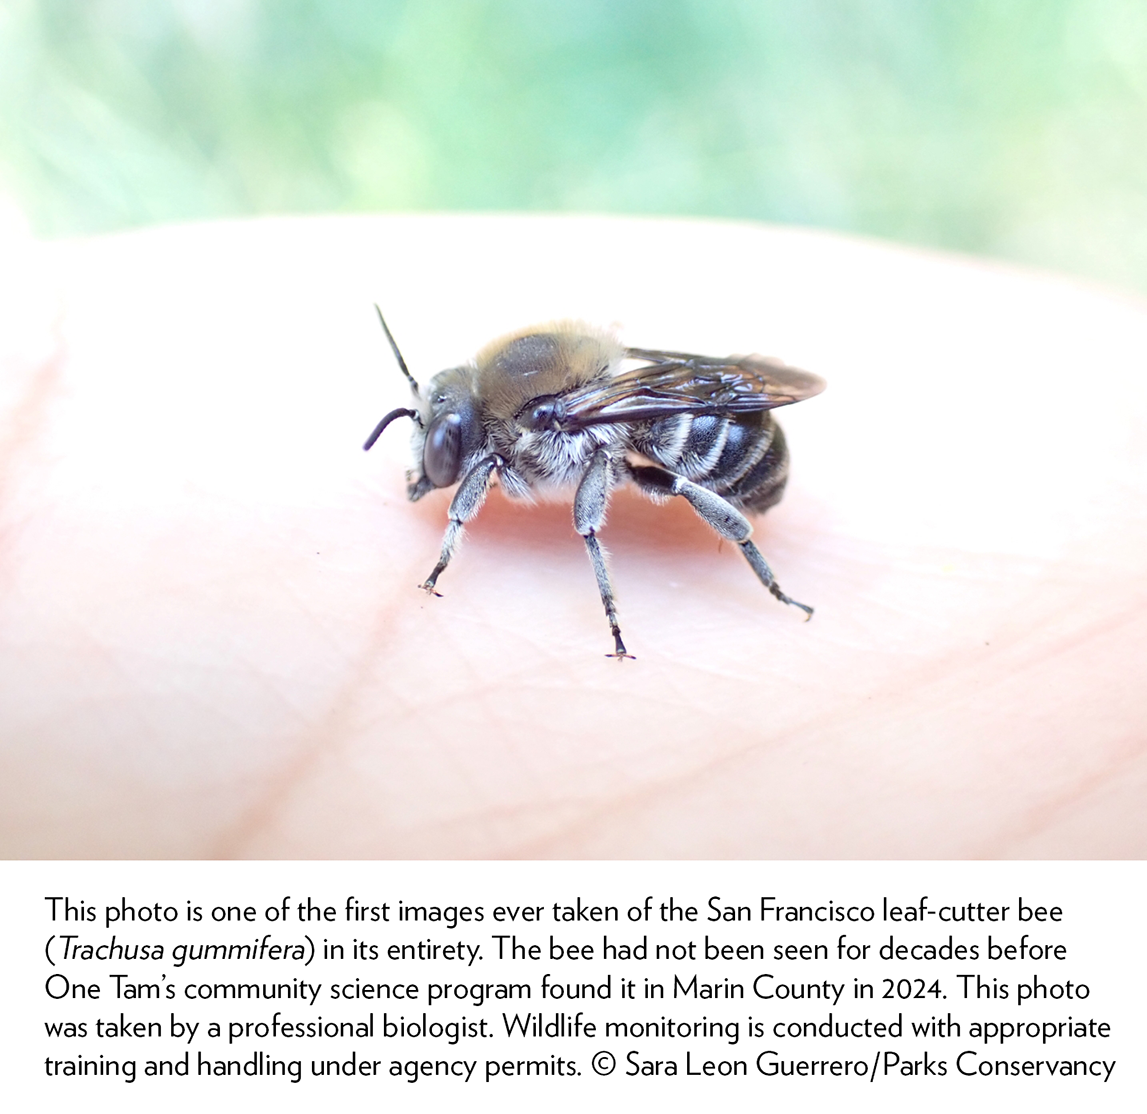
x=719, y=513
x=467, y=502
x=589, y=513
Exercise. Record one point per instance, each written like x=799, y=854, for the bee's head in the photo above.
x=447, y=430
x=446, y=424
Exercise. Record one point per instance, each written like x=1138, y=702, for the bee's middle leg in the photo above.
x=719, y=513
x=589, y=513
x=467, y=502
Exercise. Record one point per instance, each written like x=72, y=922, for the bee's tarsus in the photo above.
x=765, y=575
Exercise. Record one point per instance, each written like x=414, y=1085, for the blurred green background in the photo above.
x=1016, y=128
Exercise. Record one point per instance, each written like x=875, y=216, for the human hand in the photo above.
x=213, y=644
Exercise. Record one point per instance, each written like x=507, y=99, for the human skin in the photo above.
x=212, y=643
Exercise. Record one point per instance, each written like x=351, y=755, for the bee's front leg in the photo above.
x=467, y=502
x=589, y=513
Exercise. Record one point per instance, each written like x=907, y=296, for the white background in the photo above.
x=1103, y=911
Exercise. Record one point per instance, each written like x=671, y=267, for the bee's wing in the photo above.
x=677, y=383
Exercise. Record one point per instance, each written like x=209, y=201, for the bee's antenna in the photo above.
x=398, y=356
x=401, y=412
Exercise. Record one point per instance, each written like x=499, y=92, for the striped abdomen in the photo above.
x=743, y=457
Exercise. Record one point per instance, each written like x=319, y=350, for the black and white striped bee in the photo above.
x=566, y=407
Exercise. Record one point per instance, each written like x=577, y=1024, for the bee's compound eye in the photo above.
x=442, y=453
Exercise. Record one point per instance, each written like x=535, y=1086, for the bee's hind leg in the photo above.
x=589, y=513
x=467, y=502
x=719, y=513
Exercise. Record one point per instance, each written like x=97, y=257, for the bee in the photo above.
x=566, y=408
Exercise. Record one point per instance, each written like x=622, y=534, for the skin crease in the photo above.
x=211, y=643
